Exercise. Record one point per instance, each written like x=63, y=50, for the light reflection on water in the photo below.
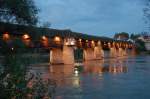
x=119, y=78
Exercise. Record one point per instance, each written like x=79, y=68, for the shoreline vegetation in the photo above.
x=145, y=53
x=16, y=82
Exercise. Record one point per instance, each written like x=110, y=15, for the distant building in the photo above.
x=121, y=36
x=146, y=39
x=130, y=40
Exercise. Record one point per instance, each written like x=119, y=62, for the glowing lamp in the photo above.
x=44, y=38
x=99, y=42
x=80, y=40
x=12, y=48
x=92, y=42
x=6, y=36
x=72, y=43
x=66, y=43
x=26, y=36
x=57, y=39
x=76, y=71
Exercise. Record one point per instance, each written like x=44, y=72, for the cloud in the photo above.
x=99, y=17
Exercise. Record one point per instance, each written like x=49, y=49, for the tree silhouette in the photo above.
x=122, y=35
x=18, y=11
x=146, y=11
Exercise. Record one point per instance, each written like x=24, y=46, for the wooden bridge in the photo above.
x=62, y=44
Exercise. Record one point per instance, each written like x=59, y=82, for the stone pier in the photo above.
x=89, y=54
x=113, y=53
x=56, y=56
x=93, y=53
x=98, y=52
x=120, y=52
x=68, y=55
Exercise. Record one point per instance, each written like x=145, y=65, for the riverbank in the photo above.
x=144, y=53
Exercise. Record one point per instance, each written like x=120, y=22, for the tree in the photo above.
x=122, y=35
x=46, y=24
x=14, y=81
x=134, y=36
x=18, y=11
x=140, y=45
x=146, y=11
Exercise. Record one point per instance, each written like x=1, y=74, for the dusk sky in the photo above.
x=96, y=17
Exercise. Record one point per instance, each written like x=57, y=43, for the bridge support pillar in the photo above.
x=93, y=53
x=89, y=54
x=120, y=52
x=56, y=56
x=124, y=52
x=68, y=55
x=98, y=52
x=113, y=52
x=62, y=56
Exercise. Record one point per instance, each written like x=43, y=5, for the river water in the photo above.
x=119, y=78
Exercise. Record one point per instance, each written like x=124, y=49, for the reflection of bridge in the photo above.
x=62, y=44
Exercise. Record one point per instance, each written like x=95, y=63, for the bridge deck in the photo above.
x=37, y=31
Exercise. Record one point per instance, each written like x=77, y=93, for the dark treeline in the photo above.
x=13, y=64
x=18, y=11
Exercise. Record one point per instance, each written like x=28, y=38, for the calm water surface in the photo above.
x=120, y=78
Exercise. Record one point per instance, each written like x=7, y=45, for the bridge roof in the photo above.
x=37, y=32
